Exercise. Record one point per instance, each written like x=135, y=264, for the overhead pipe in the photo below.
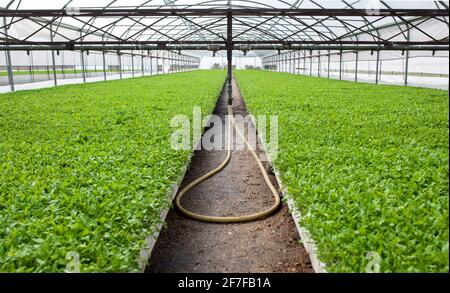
x=225, y=48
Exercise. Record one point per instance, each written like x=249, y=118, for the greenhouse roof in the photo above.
x=203, y=25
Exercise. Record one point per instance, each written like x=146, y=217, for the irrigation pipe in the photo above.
x=233, y=219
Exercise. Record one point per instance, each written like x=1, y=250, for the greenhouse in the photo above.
x=224, y=136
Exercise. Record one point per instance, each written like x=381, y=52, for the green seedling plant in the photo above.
x=367, y=166
x=88, y=168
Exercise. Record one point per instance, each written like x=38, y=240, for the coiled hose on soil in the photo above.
x=233, y=219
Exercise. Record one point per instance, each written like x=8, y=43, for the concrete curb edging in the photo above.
x=150, y=241
x=308, y=242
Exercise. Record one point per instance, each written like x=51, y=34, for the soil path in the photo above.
x=268, y=245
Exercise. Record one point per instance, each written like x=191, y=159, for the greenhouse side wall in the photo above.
x=35, y=69
x=413, y=68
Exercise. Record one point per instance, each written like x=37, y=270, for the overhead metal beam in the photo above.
x=286, y=44
x=110, y=12
x=225, y=48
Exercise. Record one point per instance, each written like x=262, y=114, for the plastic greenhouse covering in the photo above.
x=35, y=64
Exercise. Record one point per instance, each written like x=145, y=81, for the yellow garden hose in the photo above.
x=234, y=219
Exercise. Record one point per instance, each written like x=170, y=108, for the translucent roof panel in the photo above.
x=284, y=4
x=279, y=29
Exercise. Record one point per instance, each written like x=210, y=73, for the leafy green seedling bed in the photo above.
x=367, y=166
x=88, y=168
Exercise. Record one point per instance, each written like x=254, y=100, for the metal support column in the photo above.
x=378, y=61
x=293, y=62
x=8, y=58
x=32, y=66
x=132, y=64
x=408, y=37
x=157, y=62
x=83, y=74
x=151, y=65
x=281, y=62
x=406, y=66
x=142, y=65
x=329, y=63
x=104, y=64
x=288, y=62
x=304, y=62
x=230, y=56
x=288, y=69
x=119, y=55
x=168, y=61
x=377, y=67
x=356, y=66
x=55, y=81
x=310, y=63
x=380, y=70
x=285, y=61
x=340, y=65
x=277, y=62
x=63, y=65
x=163, y=61
x=318, y=66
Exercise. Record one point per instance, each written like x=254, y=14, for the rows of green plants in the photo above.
x=88, y=168
x=366, y=165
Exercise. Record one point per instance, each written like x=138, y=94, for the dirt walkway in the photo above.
x=269, y=245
